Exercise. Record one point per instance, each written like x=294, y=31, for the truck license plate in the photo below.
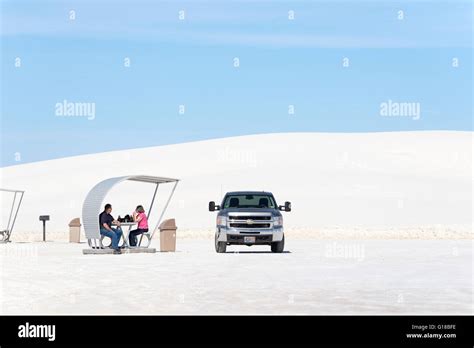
x=249, y=239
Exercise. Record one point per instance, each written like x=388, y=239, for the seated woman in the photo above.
x=140, y=217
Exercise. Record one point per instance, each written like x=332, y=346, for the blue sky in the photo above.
x=191, y=62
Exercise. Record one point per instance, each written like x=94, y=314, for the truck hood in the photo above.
x=250, y=210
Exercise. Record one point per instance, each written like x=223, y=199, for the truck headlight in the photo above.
x=221, y=221
x=278, y=221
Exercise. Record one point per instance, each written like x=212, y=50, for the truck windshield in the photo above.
x=249, y=201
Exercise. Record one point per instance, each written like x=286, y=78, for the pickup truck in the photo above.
x=249, y=218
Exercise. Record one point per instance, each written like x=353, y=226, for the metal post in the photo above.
x=17, y=209
x=149, y=211
x=164, y=209
x=11, y=211
x=12, y=217
x=152, y=201
x=44, y=230
x=44, y=218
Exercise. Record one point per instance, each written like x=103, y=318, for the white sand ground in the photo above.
x=334, y=180
x=313, y=277
x=427, y=232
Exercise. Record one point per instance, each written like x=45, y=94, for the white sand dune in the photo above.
x=418, y=181
x=358, y=193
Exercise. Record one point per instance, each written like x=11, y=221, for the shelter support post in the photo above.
x=164, y=209
x=5, y=234
x=11, y=210
x=16, y=212
x=149, y=211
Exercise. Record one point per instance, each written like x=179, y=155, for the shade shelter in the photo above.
x=93, y=205
x=15, y=207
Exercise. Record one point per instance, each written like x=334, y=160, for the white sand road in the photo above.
x=313, y=277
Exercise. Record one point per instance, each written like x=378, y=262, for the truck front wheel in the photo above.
x=277, y=247
x=220, y=246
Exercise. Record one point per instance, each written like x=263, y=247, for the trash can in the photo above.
x=75, y=231
x=168, y=235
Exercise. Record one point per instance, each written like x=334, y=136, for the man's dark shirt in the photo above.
x=105, y=218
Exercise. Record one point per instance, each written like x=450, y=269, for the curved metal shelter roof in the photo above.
x=95, y=198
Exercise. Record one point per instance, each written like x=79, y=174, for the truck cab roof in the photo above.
x=249, y=193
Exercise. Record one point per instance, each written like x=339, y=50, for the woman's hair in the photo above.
x=140, y=209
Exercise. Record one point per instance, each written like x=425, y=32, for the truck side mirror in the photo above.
x=286, y=207
x=213, y=206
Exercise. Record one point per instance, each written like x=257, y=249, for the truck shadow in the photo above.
x=256, y=252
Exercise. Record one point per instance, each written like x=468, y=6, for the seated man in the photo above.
x=105, y=223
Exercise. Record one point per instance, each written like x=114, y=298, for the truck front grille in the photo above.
x=250, y=221
x=247, y=225
x=250, y=217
